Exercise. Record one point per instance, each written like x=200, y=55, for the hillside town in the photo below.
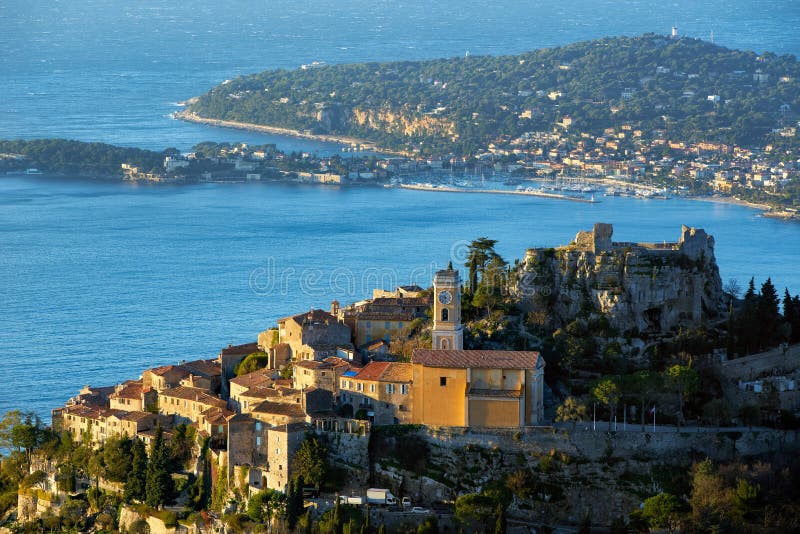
x=621, y=162
x=408, y=408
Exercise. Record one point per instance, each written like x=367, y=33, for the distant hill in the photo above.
x=68, y=156
x=693, y=89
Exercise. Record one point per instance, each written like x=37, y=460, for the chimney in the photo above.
x=335, y=308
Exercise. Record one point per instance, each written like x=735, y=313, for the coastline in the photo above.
x=554, y=196
x=731, y=200
x=766, y=210
x=189, y=116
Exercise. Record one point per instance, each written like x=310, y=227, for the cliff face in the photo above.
x=651, y=287
x=337, y=117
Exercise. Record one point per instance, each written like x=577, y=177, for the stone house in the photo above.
x=313, y=335
x=321, y=374
x=99, y=423
x=188, y=404
x=278, y=413
x=132, y=396
x=477, y=388
x=382, y=390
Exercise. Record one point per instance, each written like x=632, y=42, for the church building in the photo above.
x=472, y=388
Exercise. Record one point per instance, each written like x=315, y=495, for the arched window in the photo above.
x=444, y=345
x=445, y=314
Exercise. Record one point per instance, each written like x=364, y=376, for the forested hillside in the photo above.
x=693, y=89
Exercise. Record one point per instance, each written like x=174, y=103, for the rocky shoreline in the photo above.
x=189, y=116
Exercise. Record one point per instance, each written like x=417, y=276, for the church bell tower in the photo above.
x=448, y=333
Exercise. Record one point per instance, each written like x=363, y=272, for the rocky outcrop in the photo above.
x=650, y=287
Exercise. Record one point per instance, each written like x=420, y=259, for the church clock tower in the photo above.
x=448, y=334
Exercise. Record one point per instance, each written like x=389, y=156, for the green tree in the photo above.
x=117, y=457
x=684, y=381
x=158, y=481
x=664, y=511
x=136, y=479
x=572, y=409
x=607, y=392
x=475, y=509
x=311, y=461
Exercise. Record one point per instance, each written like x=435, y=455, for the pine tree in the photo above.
x=137, y=477
x=158, y=484
x=769, y=317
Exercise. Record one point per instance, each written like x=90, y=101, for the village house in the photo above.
x=188, y=405
x=132, y=396
x=477, y=388
x=313, y=335
x=382, y=390
x=98, y=424
x=324, y=374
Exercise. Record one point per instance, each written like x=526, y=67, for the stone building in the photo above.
x=132, y=396
x=99, y=424
x=382, y=390
x=321, y=374
x=313, y=335
x=477, y=388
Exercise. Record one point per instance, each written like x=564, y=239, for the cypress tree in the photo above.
x=769, y=318
x=158, y=484
x=137, y=477
x=291, y=505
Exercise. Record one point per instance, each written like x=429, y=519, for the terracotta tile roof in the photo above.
x=237, y=350
x=135, y=416
x=498, y=393
x=193, y=394
x=397, y=372
x=372, y=371
x=385, y=316
x=131, y=389
x=283, y=382
x=217, y=416
x=385, y=372
x=280, y=408
x=164, y=369
x=487, y=359
x=311, y=316
x=256, y=378
x=207, y=368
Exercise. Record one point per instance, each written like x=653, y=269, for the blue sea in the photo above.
x=102, y=280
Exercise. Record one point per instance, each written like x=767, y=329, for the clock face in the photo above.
x=445, y=297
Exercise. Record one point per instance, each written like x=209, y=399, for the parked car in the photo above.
x=406, y=502
x=420, y=510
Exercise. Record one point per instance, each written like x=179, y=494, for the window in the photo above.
x=445, y=314
x=442, y=380
x=360, y=387
x=390, y=388
x=220, y=429
x=258, y=441
x=372, y=388
x=258, y=426
x=404, y=389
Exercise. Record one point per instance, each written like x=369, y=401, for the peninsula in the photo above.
x=674, y=111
